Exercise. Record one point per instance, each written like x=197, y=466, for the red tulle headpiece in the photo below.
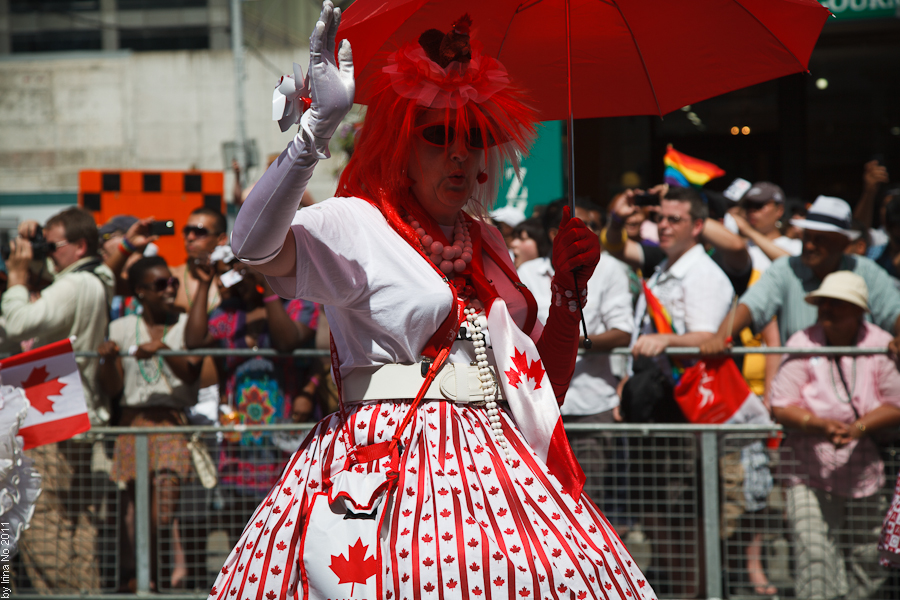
x=415, y=76
x=446, y=72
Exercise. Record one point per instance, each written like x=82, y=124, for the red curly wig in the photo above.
x=471, y=88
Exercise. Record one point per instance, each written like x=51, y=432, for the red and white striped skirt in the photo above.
x=461, y=522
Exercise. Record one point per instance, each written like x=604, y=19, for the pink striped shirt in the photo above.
x=813, y=383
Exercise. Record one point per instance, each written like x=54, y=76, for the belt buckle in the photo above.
x=453, y=397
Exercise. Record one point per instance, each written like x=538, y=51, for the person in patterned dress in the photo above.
x=446, y=472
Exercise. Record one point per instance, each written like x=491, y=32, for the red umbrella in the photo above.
x=628, y=57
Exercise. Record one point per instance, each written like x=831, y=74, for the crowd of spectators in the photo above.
x=681, y=267
x=757, y=270
x=108, y=290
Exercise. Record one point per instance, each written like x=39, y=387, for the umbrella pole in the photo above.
x=571, y=132
x=571, y=139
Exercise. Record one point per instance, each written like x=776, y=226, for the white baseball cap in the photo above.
x=510, y=215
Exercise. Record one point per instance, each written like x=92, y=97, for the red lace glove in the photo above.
x=575, y=248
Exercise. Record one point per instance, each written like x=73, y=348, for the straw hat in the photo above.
x=842, y=285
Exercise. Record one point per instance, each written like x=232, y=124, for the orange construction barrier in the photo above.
x=163, y=195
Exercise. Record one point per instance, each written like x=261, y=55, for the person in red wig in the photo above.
x=446, y=472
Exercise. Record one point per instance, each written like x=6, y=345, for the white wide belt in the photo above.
x=457, y=382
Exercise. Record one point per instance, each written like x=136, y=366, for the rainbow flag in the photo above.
x=662, y=322
x=685, y=171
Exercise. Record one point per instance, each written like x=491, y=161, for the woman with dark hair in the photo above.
x=446, y=471
x=529, y=241
x=155, y=391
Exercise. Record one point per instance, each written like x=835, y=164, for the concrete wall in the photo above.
x=63, y=113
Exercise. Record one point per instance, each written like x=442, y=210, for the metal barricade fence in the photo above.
x=678, y=495
x=675, y=494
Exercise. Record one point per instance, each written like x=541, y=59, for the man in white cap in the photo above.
x=782, y=290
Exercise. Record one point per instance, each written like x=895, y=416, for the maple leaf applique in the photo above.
x=38, y=390
x=522, y=371
x=356, y=568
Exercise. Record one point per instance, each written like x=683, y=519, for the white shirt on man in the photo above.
x=593, y=386
x=694, y=290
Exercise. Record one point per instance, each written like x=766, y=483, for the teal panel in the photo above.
x=543, y=172
x=845, y=10
x=38, y=198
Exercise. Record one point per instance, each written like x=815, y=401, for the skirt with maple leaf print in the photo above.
x=462, y=522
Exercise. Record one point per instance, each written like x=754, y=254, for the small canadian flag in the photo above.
x=49, y=375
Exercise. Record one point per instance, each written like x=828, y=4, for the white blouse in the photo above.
x=383, y=300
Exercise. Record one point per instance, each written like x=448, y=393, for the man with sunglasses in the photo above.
x=75, y=305
x=689, y=284
x=204, y=230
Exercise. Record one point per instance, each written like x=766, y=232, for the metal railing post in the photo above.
x=713, y=554
x=142, y=513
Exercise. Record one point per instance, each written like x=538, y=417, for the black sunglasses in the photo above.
x=442, y=135
x=197, y=230
x=754, y=205
x=673, y=219
x=162, y=284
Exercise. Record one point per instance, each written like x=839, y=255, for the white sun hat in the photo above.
x=828, y=213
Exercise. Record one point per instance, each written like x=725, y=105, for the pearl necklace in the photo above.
x=488, y=383
x=449, y=259
x=455, y=259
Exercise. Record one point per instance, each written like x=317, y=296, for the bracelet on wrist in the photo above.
x=805, y=421
x=861, y=427
x=615, y=245
x=271, y=298
x=315, y=380
x=125, y=247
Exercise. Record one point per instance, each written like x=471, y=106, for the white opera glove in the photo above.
x=265, y=218
x=331, y=88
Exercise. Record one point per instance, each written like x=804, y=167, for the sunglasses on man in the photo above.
x=673, y=219
x=751, y=205
x=198, y=231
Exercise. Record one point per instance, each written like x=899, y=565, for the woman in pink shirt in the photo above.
x=833, y=406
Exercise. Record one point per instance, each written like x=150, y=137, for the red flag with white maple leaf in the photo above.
x=49, y=375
